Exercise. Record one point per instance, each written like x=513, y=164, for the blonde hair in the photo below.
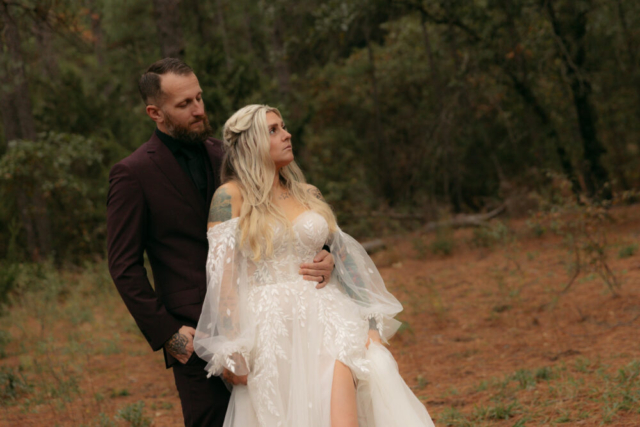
x=248, y=163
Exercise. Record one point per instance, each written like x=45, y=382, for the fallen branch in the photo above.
x=373, y=245
x=476, y=220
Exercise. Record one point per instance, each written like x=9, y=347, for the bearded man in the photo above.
x=158, y=201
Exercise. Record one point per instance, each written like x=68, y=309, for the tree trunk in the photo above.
x=280, y=61
x=596, y=176
x=96, y=31
x=19, y=124
x=381, y=159
x=223, y=32
x=634, y=76
x=44, y=36
x=15, y=79
x=550, y=132
x=167, y=14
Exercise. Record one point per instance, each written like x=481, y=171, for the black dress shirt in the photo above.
x=191, y=158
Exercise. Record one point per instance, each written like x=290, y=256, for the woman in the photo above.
x=297, y=356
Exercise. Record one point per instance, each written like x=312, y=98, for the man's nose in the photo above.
x=199, y=109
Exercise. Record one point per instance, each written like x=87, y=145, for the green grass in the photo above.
x=550, y=395
x=62, y=320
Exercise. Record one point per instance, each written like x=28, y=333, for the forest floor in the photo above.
x=488, y=337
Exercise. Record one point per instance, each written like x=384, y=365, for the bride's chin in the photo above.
x=285, y=162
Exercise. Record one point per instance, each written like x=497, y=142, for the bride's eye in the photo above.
x=272, y=131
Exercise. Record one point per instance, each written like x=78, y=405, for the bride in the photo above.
x=297, y=356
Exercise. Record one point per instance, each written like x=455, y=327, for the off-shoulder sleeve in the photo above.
x=360, y=278
x=224, y=336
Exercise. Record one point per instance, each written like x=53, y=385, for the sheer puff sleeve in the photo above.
x=224, y=336
x=360, y=278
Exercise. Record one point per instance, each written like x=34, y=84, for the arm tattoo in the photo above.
x=315, y=193
x=373, y=325
x=220, y=206
x=177, y=344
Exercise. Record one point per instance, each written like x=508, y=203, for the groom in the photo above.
x=158, y=202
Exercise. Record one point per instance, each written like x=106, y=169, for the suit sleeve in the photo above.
x=127, y=222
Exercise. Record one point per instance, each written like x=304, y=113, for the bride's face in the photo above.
x=281, y=152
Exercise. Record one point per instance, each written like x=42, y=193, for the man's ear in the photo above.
x=155, y=113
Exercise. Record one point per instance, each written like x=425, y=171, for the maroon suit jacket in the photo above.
x=154, y=206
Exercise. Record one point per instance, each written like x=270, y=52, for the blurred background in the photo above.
x=395, y=106
x=411, y=116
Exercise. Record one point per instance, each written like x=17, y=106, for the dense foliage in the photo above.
x=402, y=105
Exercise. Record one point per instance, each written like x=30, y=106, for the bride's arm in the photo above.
x=361, y=280
x=222, y=337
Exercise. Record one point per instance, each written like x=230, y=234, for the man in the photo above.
x=158, y=202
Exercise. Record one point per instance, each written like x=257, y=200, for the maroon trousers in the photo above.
x=204, y=400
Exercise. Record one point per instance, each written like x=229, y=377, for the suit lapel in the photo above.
x=167, y=163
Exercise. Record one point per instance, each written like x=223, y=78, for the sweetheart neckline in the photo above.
x=292, y=222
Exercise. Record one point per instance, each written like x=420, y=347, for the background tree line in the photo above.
x=402, y=106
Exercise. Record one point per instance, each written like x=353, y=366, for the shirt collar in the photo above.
x=172, y=144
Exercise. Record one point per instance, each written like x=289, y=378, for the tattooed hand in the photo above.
x=180, y=345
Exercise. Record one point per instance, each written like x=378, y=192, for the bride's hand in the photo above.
x=373, y=336
x=234, y=379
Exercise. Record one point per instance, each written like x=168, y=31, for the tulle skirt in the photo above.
x=299, y=341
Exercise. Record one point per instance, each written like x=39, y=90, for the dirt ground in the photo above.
x=487, y=339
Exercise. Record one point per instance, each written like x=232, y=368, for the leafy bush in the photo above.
x=68, y=173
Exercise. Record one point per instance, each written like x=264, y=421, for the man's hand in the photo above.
x=234, y=379
x=320, y=270
x=180, y=345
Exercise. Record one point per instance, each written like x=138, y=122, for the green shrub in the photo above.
x=5, y=338
x=489, y=236
x=12, y=384
x=134, y=414
x=444, y=243
x=628, y=251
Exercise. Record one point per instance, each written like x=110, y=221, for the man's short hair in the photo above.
x=149, y=83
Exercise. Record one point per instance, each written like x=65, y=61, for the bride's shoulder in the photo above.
x=313, y=191
x=230, y=188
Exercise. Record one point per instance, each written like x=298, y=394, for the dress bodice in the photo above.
x=292, y=246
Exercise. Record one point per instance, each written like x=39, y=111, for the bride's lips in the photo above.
x=288, y=147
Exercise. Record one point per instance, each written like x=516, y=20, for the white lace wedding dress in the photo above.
x=263, y=319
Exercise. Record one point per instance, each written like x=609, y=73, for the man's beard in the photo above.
x=184, y=134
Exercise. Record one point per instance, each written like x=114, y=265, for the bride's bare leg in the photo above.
x=344, y=410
